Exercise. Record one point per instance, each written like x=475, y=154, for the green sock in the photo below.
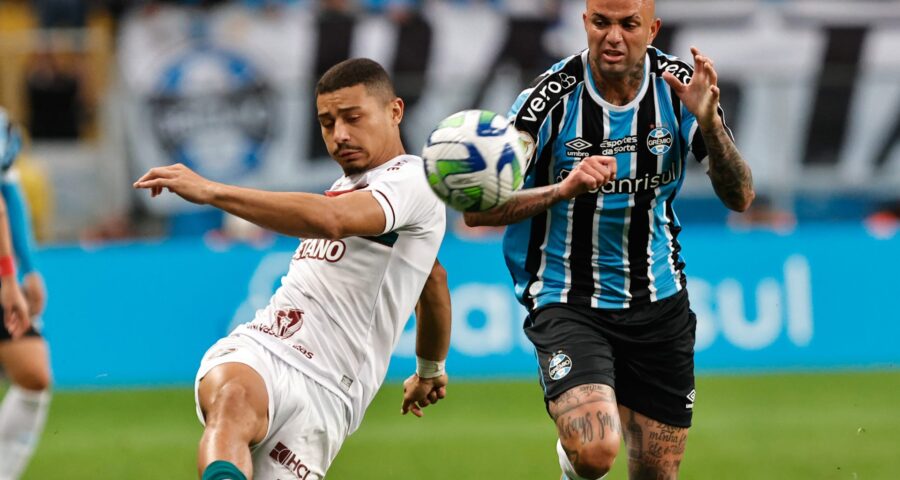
x=222, y=470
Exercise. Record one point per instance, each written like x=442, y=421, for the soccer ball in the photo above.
x=474, y=160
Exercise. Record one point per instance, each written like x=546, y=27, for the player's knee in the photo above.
x=592, y=460
x=36, y=383
x=595, y=461
x=34, y=379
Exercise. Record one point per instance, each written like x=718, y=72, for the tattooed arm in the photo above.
x=728, y=171
x=590, y=174
x=523, y=204
x=730, y=174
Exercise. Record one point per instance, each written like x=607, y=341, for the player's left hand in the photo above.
x=15, y=308
x=701, y=94
x=35, y=293
x=180, y=180
x=419, y=393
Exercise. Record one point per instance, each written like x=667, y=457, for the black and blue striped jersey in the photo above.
x=618, y=247
x=10, y=142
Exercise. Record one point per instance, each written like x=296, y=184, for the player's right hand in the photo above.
x=15, y=308
x=588, y=176
x=177, y=179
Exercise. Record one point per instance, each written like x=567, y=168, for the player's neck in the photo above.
x=619, y=89
x=389, y=154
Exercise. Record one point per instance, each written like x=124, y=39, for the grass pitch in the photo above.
x=791, y=426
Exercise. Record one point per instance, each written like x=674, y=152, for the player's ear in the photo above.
x=397, y=108
x=654, y=30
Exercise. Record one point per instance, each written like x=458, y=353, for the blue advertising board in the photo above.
x=144, y=313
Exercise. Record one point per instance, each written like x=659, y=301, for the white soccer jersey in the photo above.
x=343, y=304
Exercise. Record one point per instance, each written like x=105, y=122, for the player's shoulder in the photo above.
x=406, y=172
x=663, y=62
x=10, y=142
x=572, y=65
x=399, y=166
x=402, y=184
x=546, y=91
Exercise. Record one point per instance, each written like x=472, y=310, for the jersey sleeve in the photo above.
x=10, y=144
x=533, y=140
x=690, y=133
x=531, y=113
x=404, y=196
x=19, y=224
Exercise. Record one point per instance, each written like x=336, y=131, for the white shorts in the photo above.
x=307, y=423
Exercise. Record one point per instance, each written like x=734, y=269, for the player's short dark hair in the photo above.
x=356, y=71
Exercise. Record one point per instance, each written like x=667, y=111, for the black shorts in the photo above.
x=645, y=353
x=4, y=333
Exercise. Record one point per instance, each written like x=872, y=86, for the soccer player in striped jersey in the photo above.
x=592, y=243
x=23, y=351
x=282, y=392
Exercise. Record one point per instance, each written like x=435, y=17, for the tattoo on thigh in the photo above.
x=579, y=396
x=669, y=441
x=608, y=423
x=577, y=426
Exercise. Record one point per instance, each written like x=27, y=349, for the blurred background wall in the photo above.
x=138, y=289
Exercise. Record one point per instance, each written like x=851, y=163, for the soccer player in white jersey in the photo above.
x=281, y=393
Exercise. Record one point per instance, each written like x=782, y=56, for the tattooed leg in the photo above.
x=655, y=449
x=587, y=420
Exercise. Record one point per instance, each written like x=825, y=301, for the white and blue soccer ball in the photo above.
x=474, y=160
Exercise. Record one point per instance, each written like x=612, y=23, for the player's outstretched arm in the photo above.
x=295, y=214
x=730, y=174
x=588, y=175
x=15, y=309
x=23, y=245
x=433, y=318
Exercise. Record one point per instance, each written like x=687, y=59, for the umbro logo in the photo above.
x=576, y=147
x=579, y=144
x=691, y=397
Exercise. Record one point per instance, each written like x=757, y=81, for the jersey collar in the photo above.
x=595, y=94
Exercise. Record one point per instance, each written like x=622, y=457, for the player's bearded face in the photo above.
x=356, y=127
x=619, y=32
